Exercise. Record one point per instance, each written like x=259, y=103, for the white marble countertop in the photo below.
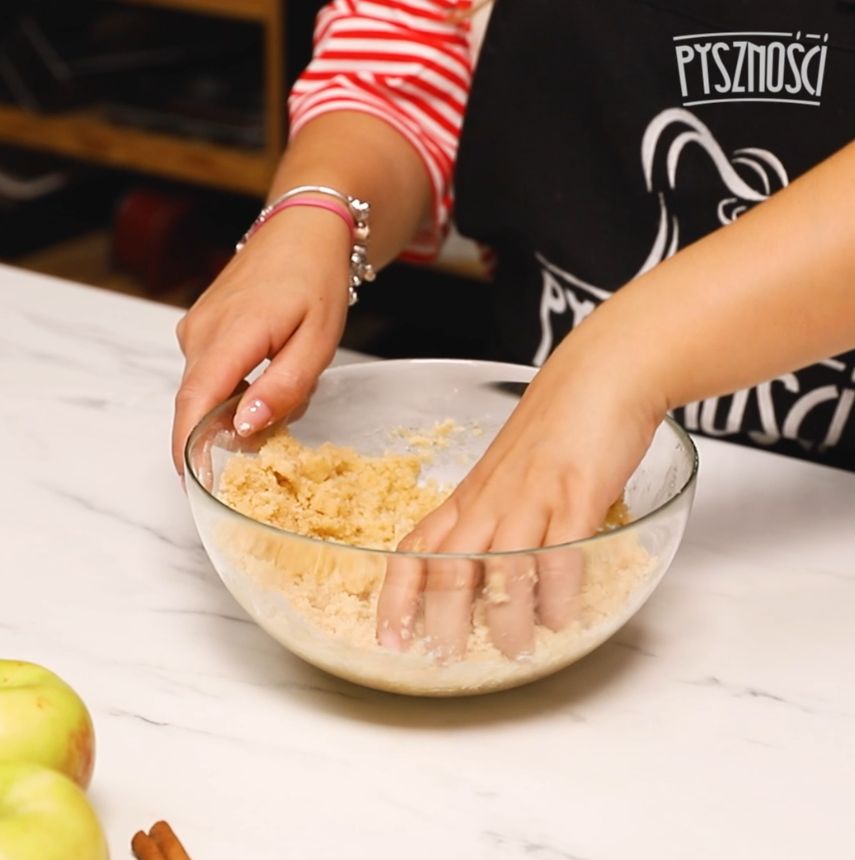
x=720, y=723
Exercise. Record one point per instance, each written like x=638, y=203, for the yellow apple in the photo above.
x=43, y=720
x=45, y=816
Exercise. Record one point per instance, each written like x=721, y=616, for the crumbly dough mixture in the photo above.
x=331, y=492
x=331, y=591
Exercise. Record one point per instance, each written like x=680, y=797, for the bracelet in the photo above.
x=354, y=212
x=329, y=205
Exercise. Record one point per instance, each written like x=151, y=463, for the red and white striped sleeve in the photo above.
x=407, y=62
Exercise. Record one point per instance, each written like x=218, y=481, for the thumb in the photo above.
x=286, y=383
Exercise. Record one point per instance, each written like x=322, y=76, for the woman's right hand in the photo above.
x=284, y=297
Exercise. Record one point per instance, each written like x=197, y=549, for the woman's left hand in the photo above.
x=549, y=477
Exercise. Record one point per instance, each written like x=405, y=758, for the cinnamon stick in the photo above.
x=145, y=848
x=160, y=843
x=166, y=840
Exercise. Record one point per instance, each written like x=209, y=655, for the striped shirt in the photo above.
x=408, y=62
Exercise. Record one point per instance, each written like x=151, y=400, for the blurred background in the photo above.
x=137, y=142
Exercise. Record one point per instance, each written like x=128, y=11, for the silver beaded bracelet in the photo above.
x=358, y=211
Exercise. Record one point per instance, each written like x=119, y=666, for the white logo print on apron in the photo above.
x=767, y=176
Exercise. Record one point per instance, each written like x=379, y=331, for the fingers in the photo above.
x=510, y=604
x=451, y=584
x=200, y=457
x=288, y=380
x=216, y=367
x=405, y=578
x=449, y=595
x=561, y=572
x=520, y=589
x=399, y=600
x=212, y=373
x=510, y=581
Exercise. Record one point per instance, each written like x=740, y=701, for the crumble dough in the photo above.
x=319, y=598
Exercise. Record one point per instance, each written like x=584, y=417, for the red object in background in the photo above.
x=159, y=236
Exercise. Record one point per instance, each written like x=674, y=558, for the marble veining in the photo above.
x=117, y=517
x=719, y=723
x=529, y=849
x=747, y=692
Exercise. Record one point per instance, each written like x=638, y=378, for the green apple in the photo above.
x=43, y=720
x=45, y=816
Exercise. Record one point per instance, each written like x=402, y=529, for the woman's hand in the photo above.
x=762, y=296
x=284, y=297
x=549, y=477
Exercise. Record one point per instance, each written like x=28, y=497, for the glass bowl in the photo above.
x=318, y=598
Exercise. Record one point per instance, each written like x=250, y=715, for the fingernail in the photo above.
x=444, y=651
x=183, y=483
x=252, y=417
x=389, y=639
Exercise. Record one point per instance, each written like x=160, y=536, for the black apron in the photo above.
x=602, y=137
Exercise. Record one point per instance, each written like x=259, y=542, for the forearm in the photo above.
x=365, y=157
x=772, y=292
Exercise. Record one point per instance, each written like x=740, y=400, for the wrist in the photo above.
x=319, y=235
x=628, y=370
x=353, y=212
x=304, y=251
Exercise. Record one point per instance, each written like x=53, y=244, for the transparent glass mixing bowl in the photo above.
x=318, y=598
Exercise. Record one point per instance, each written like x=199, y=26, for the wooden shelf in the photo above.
x=85, y=135
x=88, y=136
x=252, y=10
